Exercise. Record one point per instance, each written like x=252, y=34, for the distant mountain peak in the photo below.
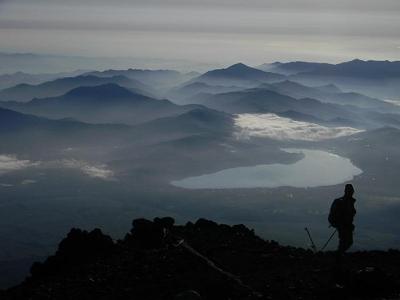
x=331, y=88
x=356, y=60
x=207, y=117
x=241, y=72
x=239, y=66
x=289, y=83
x=242, y=68
x=109, y=90
x=202, y=113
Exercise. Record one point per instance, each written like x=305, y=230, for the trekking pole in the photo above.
x=327, y=242
x=182, y=243
x=312, y=242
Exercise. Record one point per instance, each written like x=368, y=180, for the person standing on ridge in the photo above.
x=341, y=217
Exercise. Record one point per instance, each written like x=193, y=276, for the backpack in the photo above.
x=334, y=217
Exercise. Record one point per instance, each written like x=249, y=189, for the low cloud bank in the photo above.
x=395, y=102
x=94, y=171
x=279, y=128
x=9, y=163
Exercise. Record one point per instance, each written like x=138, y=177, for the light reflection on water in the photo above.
x=317, y=168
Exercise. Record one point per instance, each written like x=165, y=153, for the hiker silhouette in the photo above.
x=341, y=217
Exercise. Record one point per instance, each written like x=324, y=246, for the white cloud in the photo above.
x=6, y=185
x=28, y=181
x=94, y=171
x=9, y=163
x=395, y=102
x=279, y=128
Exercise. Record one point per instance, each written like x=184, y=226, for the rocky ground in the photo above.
x=203, y=260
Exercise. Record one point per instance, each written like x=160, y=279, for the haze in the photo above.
x=215, y=32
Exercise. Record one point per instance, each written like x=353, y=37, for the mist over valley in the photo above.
x=265, y=146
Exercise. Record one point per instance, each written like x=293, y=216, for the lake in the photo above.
x=316, y=168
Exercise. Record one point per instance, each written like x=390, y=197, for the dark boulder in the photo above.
x=148, y=234
x=80, y=246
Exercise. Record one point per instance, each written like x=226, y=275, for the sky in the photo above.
x=204, y=31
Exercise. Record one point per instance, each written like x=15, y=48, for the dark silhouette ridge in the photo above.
x=202, y=260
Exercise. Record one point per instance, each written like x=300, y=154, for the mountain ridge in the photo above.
x=201, y=260
x=237, y=74
x=107, y=103
x=58, y=87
